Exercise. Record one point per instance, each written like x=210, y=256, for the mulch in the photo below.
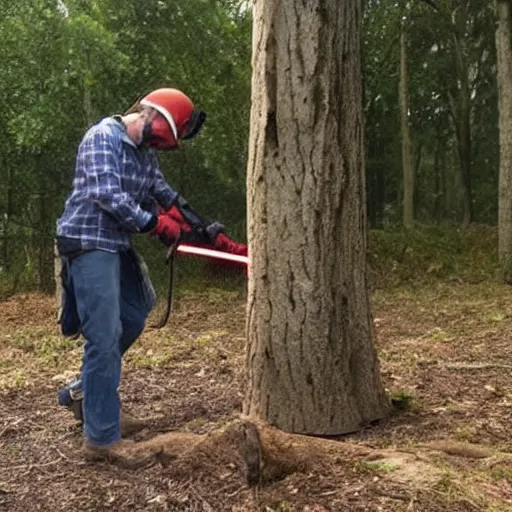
x=41, y=468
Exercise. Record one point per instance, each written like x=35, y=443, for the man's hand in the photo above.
x=214, y=229
x=167, y=228
x=224, y=243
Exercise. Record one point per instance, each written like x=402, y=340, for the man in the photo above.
x=107, y=295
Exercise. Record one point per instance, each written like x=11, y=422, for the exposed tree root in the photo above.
x=261, y=454
x=466, y=450
x=250, y=453
x=476, y=366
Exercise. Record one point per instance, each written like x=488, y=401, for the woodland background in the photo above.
x=63, y=66
x=442, y=320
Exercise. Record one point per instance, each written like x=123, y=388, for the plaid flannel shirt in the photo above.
x=114, y=191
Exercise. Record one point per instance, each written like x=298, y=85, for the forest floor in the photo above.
x=446, y=347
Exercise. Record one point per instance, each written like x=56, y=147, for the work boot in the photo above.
x=72, y=396
x=123, y=453
x=129, y=424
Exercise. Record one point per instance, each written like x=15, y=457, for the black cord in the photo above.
x=170, y=261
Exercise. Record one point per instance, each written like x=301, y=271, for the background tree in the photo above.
x=504, y=53
x=407, y=166
x=311, y=360
x=440, y=109
x=66, y=64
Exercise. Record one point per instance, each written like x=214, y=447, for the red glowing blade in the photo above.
x=212, y=253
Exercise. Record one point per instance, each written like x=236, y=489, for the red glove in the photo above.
x=224, y=243
x=167, y=228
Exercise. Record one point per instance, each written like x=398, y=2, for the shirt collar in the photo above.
x=124, y=135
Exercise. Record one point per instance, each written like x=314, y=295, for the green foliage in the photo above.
x=431, y=252
x=65, y=64
x=401, y=400
x=396, y=257
x=375, y=467
x=448, y=50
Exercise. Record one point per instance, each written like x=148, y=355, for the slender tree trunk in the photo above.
x=9, y=210
x=462, y=112
x=407, y=166
x=380, y=194
x=312, y=365
x=438, y=203
x=464, y=151
x=504, y=60
x=376, y=196
x=375, y=173
x=40, y=225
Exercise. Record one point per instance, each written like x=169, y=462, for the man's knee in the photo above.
x=97, y=293
x=102, y=335
x=102, y=347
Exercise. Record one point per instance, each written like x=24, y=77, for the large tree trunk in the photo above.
x=407, y=167
x=504, y=59
x=312, y=365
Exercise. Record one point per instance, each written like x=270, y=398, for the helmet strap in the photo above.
x=146, y=133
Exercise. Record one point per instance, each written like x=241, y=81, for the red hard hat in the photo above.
x=178, y=119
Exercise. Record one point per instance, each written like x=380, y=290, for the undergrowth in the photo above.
x=427, y=253
x=396, y=257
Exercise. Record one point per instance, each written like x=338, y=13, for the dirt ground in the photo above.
x=445, y=352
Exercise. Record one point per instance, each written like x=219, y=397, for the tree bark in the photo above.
x=407, y=167
x=464, y=151
x=504, y=61
x=437, y=214
x=462, y=115
x=6, y=261
x=311, y=361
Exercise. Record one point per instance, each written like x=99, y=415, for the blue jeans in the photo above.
x=112, y=311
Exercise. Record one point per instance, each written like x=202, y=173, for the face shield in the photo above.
x=159, y=134
x=193, y=125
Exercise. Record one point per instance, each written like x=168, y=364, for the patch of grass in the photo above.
x=466, y=432
x=438, y=334
x=494, y=316
x=206, y=338
x=50, y=348
x=13, y=449
x=455, y=407
x=209, y=293
x=401, y=400
x=151, y=360
x=13, y=379
x=474, y=489
x=501, y=473
x=157, y=349
x=282, y=506
x=195, y=424
x=375, y=467
x=406, y=359
x=40, y=342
